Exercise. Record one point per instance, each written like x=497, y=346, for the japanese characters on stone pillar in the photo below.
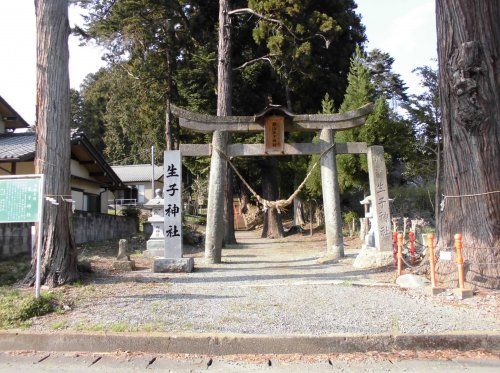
x=172, y=194
x=380, y=198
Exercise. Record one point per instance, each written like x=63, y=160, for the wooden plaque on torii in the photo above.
x=274, y=134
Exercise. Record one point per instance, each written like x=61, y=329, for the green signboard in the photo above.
x=19, y=199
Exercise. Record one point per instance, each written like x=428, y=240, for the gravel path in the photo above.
x=270, y=287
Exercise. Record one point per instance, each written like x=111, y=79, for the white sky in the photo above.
x=403, y=28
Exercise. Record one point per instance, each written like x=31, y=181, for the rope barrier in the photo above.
x=471, y=195
x=466, y=195
x=279, y=204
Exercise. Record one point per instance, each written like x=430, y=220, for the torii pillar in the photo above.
x=331, y=196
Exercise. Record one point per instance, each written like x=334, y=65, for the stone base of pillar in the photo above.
x=436, y=291
x=463, y=293
x=327, y=258
x=169, y=265
x=336, y=251
x=124, y=265
x=154, y=248
x=370, y=257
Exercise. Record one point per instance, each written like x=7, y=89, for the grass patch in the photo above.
x=58, y=325
x=121, y=327
x=88, y=327
x=196, y=219
x=13, y=269
x=16, y=309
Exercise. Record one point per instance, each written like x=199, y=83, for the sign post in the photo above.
x=21, y=201
x=40, y=238
x=173, y=260
x=172, y=194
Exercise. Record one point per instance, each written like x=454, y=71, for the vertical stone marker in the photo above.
x=172, y=195
x=379, y=191
x=380, y=217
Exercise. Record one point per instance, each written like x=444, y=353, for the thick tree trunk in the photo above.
x=468, y=49
x=229, y=236
x=273, y=226
x=298, y=212
x=59, y=256
x=298, y=206
x=218, y=175
x=437, y=194
x=168, y=127
x=168, y=114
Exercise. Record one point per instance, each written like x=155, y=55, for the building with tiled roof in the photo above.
x=139, y=178
x=93, y=181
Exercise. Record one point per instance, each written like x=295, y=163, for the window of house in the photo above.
x=140, y=193
x=91, y=202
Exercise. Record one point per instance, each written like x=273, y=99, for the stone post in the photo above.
x=215, y=205
x=173, y=260
x=331, y=196
x=123, y=262
x=122, y=249
x=379, y=192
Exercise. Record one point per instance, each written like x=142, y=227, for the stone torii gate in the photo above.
x=274, y=122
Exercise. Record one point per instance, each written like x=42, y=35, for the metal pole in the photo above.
x=310, y=218
x=432, y=258
x=41, y=203
x=153, y=175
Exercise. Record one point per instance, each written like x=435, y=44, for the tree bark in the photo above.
x=468, y=49
x=437, y=195
x=298, y=212
x=273, y=226
x=218, y=176
x=229, y=236
x=59, y=256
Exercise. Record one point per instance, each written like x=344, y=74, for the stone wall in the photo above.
x=16, y=238
x=89, y=226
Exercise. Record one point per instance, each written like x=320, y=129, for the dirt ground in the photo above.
x=263, y=286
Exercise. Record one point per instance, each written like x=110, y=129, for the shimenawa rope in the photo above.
x=282, y=203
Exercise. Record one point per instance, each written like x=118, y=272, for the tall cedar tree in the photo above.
x=468, y=50
x=425, y=113
x=382, y=127
x=59, y=256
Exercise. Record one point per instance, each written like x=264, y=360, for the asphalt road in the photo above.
x=27, y=362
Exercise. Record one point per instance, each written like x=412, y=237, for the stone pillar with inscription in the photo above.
x=381, y=253
x=172, y=209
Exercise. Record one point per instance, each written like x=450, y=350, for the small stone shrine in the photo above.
x=155, y=246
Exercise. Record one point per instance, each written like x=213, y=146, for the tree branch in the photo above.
x=251, y=11
x=278, y=22
x=255, y=60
